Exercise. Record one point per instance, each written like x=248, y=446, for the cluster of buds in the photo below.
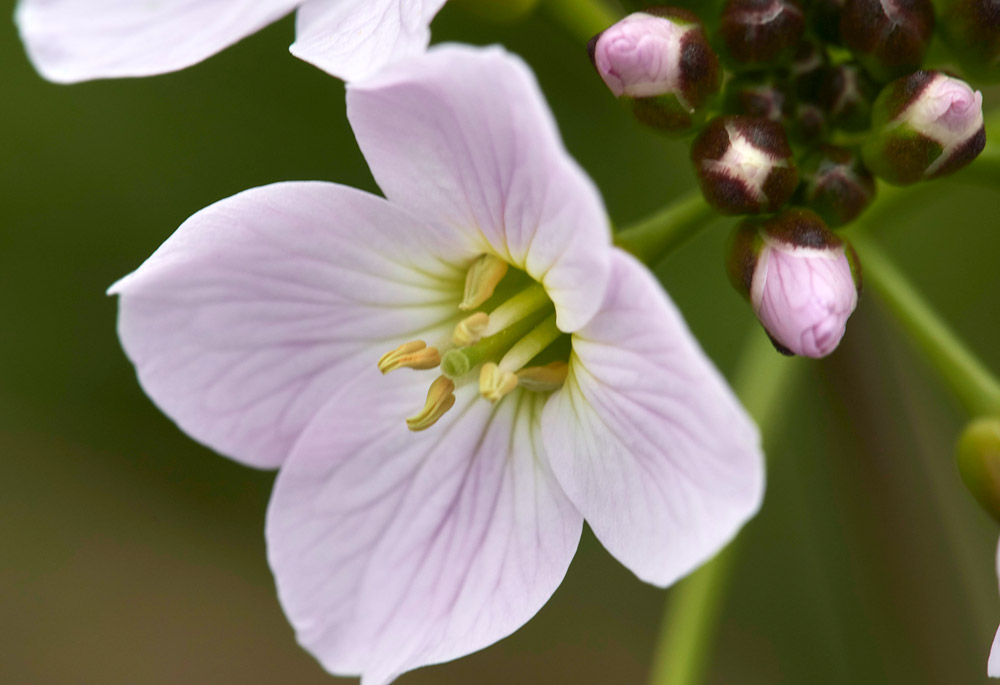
x=804, y=124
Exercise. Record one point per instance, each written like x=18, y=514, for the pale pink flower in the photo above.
x=78, y=40
x=258, y=327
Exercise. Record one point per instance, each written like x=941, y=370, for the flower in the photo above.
x=78, y=40
x=993, y=665
x=258, y=327
x=801, y=279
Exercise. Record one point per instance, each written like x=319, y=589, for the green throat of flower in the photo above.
x=508, y=340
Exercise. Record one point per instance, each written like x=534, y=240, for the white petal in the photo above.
x=647, y=439
x=463, y=137
x=77, y=40
x=259, y=307
x=352, y=39
x=393, y=550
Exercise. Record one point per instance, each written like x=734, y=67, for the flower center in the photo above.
x=507, y=340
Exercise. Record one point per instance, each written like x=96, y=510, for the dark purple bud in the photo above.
x=889, y=37
x=761, y=32
x=744, y=164
x=835, y=184
x=660, y=61
x=807, y=72
x=847, y=96
x=924, y=125
x=808, y=123
x=758, y=95
x=971, y=28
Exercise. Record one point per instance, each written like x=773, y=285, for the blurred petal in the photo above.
x=247, y=320
x=647, y=439
x=993, y=668
x=462, y=136
x=77, y=40
x=354, y=38
x=393, y=550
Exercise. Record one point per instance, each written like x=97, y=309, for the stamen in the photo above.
x=470, y=330
x=457, y=362
x=495, y=384
x=440, y=398
x=481, y=280
x=543, y=378
x=413, y=355
x=543, y=335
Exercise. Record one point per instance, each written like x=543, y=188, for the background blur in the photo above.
x=130, y=554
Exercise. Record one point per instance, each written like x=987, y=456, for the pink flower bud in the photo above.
x=799, y=277
x=661, y=60
x=948, y=111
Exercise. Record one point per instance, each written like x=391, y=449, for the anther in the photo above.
x=481, y=280
x=440, y=398
x=413, y=355
x=495, y=384
x=543, y=378
x=470, y=330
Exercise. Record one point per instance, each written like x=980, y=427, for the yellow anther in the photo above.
x=413, y=355
x=440, y=398
x=495, y=384
x=481, y=280
x=543, y=378
x=470, y=330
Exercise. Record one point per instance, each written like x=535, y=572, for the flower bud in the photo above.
x=978, y=458
x=761, y=32
x=971, y=28
x=847, y=95
x=800, y=278
x=744, y=164
x=758, y=95
x=888, y=38
x=924, y=125
x=660, y=60
x=808, y=71
x=835, y=184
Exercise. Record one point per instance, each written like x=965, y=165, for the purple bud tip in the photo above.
x=640, y=56
x=802, y=289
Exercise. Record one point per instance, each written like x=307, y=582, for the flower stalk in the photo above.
x=975, y=386
x=653, y=238
x=762, y=381
x=582, y=19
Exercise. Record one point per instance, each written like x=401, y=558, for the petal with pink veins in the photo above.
x=647, y=439
x=251, y=316
x=463, y=138
x=393, y=550
x=78, y=40
x=352, y=39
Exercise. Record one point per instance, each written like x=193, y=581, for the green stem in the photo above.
x=582, y=19
x=975, y=386
x=763, y=380
x=654, y=237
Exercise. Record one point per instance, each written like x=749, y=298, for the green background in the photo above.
x=130, y=554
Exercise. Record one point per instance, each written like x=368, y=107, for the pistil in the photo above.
x=528, y=347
